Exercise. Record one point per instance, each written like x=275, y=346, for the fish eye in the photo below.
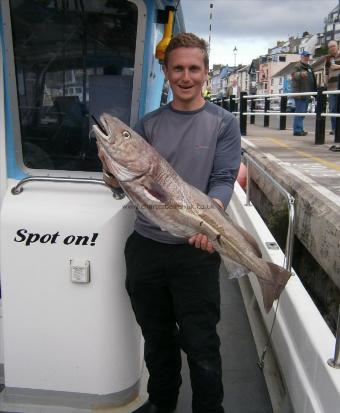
x=126, y=134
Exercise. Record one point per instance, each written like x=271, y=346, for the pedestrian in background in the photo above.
x=303, y=80
x=332, y=69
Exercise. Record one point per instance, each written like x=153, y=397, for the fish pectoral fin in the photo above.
x=154, y=191
x=271, y=289
x=234, y=269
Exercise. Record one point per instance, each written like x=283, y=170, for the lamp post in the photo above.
x=235, y=53
x=210, y=20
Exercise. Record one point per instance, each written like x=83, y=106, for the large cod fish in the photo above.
x=179, y=208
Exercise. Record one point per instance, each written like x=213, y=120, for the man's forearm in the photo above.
x=222, y=191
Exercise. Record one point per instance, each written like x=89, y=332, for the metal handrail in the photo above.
x=335, y=362
x=320, y=108
x=272, y=113
x=260, y=98
x=18, y=188
x=330, y=115
x=290, y=201
x=331, y=92
x=281, y=94
x=281, y=113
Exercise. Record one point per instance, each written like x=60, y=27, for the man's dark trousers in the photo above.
x=174, y=291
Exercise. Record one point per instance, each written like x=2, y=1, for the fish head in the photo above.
x=123, y=152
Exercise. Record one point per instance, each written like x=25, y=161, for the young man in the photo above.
x=173, y=286
x=332, y=70
x=303, y=80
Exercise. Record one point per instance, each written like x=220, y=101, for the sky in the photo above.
x=252, y=26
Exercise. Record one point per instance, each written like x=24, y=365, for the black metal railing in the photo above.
x=247, y=107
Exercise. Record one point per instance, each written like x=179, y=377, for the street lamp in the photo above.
x=235, y=53
x=210, y=20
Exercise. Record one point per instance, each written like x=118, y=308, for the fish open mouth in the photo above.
x=102, y=128
x=116, y=165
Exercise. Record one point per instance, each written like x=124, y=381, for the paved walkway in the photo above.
x=300, y=156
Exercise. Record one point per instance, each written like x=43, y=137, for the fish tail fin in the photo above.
x=273, y=287
x=234, y=269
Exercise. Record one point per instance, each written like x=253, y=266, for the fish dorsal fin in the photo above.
x=249, y=239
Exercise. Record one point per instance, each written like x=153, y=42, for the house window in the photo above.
x=272, y=82
x=282, y=58
x=280, y=80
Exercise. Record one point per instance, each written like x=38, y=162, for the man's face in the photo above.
x=186, y=74
x=333, y=49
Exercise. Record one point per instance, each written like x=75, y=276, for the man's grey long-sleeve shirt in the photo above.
x=204, y=148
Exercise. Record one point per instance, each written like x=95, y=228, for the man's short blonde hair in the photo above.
x=187, y=40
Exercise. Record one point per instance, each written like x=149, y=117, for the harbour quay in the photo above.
x=311, y=174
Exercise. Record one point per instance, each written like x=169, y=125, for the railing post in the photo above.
x=248, y=182
x=266, y=108
x=337, y=123
x=243, y=118
x=252, y=109
x=320, y=121
x=283, y=109
x=335, y=362
x=225, y=103
x=232, y=103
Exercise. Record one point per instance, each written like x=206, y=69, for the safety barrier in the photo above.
x=247, y=107
x=250, y=161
